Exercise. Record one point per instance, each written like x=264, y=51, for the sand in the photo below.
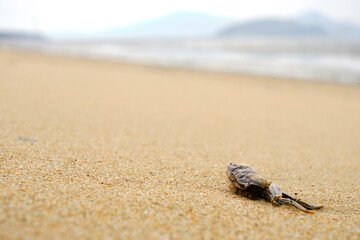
x=119, y=151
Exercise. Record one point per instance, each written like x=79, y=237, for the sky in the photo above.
x=52, y=16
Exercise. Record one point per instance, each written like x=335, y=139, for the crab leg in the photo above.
x=288, y=201
x=302, y=203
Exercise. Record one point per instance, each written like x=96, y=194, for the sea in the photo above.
x=304, y=58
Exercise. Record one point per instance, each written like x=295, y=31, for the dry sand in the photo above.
x=134, y=152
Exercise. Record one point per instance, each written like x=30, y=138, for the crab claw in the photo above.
x=302, y=203
x=288, y=201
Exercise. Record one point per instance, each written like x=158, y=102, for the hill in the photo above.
x=20, y=35
x=309, y=24
x=181, y=24
x=271, y=27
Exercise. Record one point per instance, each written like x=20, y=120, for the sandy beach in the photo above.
x=103, y=150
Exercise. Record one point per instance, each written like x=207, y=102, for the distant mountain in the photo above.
x=181, y=24
x=309, y=24
x=20, y=35
x=314, y=18
x=271, y=27
x=330, y=26
x=194, y=24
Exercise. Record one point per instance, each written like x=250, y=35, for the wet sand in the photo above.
x=101, y=150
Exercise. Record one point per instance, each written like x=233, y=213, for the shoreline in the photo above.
x=142, y=62
x=175, y=68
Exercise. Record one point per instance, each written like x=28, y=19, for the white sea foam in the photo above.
x=322, y=59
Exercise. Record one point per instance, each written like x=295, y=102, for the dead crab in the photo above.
x=250, y=184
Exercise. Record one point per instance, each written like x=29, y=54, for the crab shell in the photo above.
x=243, y=176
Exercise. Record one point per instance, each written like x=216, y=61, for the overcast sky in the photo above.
x=50, y=16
